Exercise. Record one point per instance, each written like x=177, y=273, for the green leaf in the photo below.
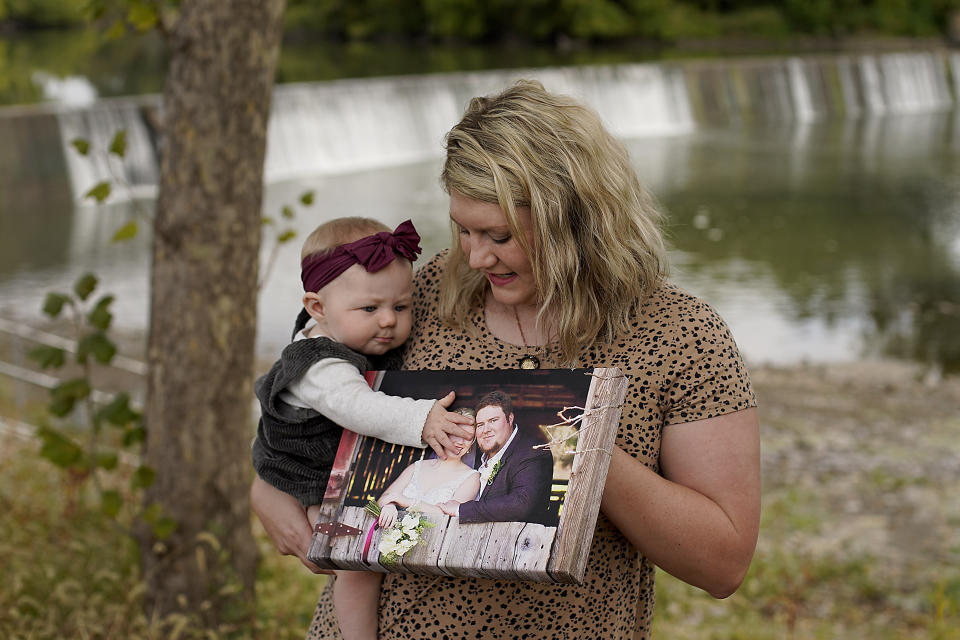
x=164, y=527
x=126, y=232
x=118, y=411
x=287, y=212
x=118, y=145
x=107, y=461
x=81, y=145
x=98, y=345
x=142, y=16
x=306, y=198
x=265, y=220
x=143, y=477
x=66, y=394
x=58, y=448
x=116, y=30
x=286, y=236
x=47, y=357
x=85, y=285
x=110, y=502
x=99, y=192
x=134, y=435
x=53, y=304
x=100, y=316
x=152, y=514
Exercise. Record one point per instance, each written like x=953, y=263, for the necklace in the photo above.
x=528, y=361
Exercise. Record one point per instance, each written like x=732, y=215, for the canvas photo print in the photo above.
x=521, y=502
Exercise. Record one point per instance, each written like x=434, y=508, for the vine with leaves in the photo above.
x=114, y=425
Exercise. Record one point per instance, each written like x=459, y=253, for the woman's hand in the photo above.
x=285, y=521
x=388, y=515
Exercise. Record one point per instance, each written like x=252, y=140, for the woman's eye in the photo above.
x=462, y=231
x=501, y=240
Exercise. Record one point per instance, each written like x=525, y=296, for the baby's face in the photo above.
x=369, y=312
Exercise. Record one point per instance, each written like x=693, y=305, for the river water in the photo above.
x=822, y=233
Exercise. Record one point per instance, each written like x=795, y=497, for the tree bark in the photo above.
x=203, y=306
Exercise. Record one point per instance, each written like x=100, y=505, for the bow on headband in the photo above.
x=372, y=252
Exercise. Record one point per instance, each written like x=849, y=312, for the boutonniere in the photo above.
x=493, y=473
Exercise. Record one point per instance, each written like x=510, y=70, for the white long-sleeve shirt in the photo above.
x=336, y=389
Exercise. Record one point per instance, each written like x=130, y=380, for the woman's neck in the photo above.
x=516, y=324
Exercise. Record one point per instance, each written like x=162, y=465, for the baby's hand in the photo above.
x=441, y=424
x=388, y=515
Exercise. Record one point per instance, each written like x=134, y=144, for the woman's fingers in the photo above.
x=284, y=520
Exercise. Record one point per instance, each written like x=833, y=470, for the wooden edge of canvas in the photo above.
x=571, y=548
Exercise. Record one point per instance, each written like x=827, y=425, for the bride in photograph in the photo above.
x=427, y=483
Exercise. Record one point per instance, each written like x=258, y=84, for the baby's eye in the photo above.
x=400, y=307
x=369, y=308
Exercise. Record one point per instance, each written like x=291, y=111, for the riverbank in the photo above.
x=860, y=535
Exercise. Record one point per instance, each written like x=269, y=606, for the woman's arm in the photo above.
x=700, y=521
x=285, y=521
x=394, y=493
x=468, y=489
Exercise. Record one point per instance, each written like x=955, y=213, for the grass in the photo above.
x=860, y=536
x=68, y=572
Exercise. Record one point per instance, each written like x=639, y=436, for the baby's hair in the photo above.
x=327, y=237
x=340, y=231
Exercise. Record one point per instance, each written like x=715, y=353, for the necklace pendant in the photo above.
x=529, y=362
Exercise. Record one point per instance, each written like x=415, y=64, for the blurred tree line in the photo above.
x=559, y=21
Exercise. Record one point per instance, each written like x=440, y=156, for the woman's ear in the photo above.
x=313, y=303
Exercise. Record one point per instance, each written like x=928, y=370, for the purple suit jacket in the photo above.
x=520, y=492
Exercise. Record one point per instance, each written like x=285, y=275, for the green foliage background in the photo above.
x=553, y=20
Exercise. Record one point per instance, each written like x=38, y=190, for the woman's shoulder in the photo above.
x=426, y=279
x=675, y=309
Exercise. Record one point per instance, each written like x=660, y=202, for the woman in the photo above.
x=559, y=259
x=427, y=483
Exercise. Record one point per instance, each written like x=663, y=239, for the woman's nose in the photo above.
x=480, y=255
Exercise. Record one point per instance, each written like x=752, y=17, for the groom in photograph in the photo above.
x=515, y=478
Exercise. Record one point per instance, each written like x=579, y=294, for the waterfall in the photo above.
x=326, y=128
x=346, y=125
x=133, y=176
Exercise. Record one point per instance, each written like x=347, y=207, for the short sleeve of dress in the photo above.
x=708, y=377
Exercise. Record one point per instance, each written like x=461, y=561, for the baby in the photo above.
x=358, y=283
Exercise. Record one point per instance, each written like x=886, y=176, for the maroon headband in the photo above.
x=372, y=252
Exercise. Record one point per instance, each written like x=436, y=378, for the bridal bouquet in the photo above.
x=402, y=535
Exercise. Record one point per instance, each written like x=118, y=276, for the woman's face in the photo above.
x=486, y=240
x=463, y=444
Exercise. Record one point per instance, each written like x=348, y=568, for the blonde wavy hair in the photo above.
x=597, y=249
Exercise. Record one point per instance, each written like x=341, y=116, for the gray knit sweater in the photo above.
x=295, y=447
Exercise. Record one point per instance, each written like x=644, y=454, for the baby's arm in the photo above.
x=339, y=391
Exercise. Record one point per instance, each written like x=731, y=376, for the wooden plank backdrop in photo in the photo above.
x=502, y=550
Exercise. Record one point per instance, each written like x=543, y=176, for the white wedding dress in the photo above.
x=433, y=494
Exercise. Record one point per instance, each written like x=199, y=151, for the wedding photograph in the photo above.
x=479, y=511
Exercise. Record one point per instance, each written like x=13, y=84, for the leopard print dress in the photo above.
x=683, y=366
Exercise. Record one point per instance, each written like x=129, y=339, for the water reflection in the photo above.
x=822, y=242
x=848, y=221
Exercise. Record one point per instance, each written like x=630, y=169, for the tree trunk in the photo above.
x=203, y=306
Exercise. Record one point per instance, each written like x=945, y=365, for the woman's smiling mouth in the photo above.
x=501, y=280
